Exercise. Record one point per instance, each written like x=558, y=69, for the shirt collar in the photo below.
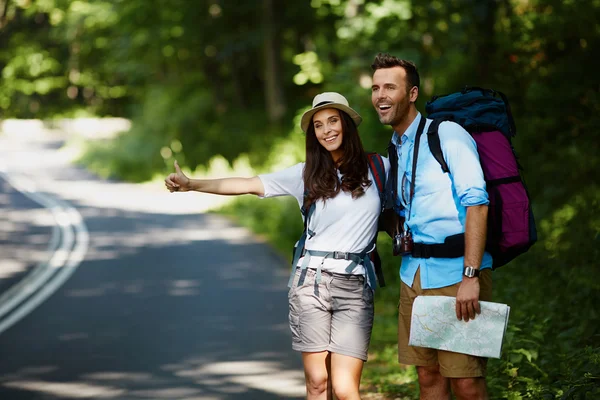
x=409, y=133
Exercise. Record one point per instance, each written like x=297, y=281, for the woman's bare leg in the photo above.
x=317, y=372
x=345, y=376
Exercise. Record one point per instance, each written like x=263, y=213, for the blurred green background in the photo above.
x=207, y=78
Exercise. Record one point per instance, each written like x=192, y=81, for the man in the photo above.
x=436, y=205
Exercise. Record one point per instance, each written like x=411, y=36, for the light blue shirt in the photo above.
x=439, y=206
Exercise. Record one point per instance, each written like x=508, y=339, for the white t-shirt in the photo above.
x=340, y=224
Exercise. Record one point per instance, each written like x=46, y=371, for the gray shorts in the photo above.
x=335, y=315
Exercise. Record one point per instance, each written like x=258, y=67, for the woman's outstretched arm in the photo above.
x=178, y=182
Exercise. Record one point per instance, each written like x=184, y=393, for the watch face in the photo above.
x=469, y=272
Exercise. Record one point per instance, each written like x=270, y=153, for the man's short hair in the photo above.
x=384, y=60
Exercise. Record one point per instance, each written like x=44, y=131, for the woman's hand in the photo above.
x=177, y=181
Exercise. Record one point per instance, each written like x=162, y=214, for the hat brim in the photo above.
x=307, y=116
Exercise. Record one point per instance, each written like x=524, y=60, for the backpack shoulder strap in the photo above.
x=372, y=259
x=392, y=186
x=303, y=209
x=378, y=170
x=307, y=213
x=306, y=234
x=433, y=137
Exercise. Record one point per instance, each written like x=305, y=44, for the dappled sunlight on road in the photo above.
x=181, y=232
x=264, y=375
x=196, y=378
x=132, y=197
x=66, y=390
x=139, y=287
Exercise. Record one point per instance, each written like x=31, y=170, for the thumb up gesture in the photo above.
x=177, y=181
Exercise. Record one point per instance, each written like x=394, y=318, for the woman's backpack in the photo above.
x=486, y=115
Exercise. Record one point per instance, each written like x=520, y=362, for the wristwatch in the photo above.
x=470, y=272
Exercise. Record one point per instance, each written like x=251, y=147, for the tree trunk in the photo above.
x=485, y=43
x=274, y=98
x=3, y=10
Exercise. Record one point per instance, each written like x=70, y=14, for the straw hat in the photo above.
x=329, y=100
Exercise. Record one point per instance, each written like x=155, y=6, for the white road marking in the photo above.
x=48, y=276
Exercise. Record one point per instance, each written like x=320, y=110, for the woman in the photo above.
x=331, y=295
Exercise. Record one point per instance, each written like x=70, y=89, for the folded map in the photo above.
x=434, y=325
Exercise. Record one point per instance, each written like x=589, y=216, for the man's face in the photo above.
x=390, y=96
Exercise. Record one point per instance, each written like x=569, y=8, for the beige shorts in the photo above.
x=335, y=315
x=452, y=365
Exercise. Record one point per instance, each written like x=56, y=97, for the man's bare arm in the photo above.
x=467, y=298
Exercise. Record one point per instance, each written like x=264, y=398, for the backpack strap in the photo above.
x=371, y=259
x=433, y=138
x=378, y=170
x=392, y=187
x=511, y=120
x=306, y=234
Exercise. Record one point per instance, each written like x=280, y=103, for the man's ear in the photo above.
x=414, y=94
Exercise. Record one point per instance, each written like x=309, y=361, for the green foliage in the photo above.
x=127, y=158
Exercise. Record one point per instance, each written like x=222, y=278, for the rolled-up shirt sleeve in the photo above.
x=285, y=182
x=460, y=153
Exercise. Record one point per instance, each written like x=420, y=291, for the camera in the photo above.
x=403, y=244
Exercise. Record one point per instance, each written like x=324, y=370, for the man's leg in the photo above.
x=432, y=384
x=317, y=370
x=469, y=388
x=467, y=373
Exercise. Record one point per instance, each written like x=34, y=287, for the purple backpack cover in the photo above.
x=486, y=115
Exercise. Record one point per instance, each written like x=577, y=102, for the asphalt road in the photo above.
x=164, y=301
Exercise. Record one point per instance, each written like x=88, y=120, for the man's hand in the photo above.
x=177, y=181
x=467, y=299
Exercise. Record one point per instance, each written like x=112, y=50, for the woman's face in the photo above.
x=328, y=129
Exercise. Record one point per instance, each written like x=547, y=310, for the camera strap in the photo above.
x=414, y=164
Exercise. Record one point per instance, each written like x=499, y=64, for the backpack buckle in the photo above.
x=340, y=255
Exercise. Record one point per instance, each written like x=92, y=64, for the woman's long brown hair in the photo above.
x=321, y=181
